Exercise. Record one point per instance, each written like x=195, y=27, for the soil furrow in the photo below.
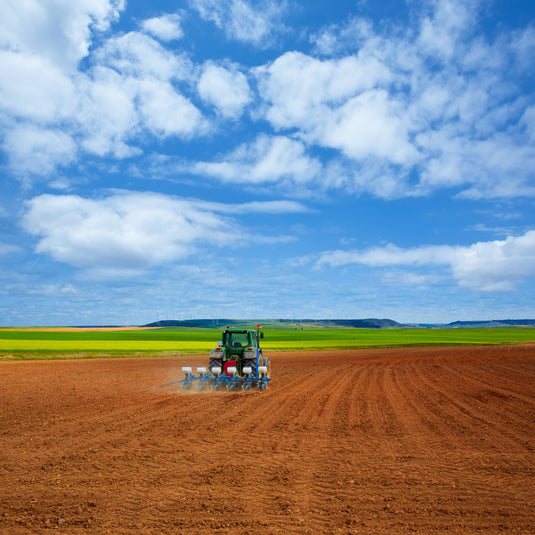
x=418, y=440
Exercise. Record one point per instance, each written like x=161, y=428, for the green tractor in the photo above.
x=236, y=363
x=240, y=348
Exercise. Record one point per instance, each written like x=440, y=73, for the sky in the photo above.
x=266, y=159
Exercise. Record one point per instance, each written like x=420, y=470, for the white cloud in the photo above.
x=145, y=85
x=131, y=231
x=138, y=56
x=484, y=266
x=257, y=207
x=338, y=104
x=130, y=89
x=59, y=30
x=412, y=112
x=166, y=27
x=403, y=113
x=107, y=116
x=33, y=88
x=268, y=159
x=249, y=21
x=369, y=125
x=127, y=232
x=226, y=89
x=480, y=165
x=166, y=112
x=442, y=31
x=37, y=150
x=301, y=90
x=272, y=207
x=389, y=255
x=337, y=38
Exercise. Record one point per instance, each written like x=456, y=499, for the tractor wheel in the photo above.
x=265, y=362
x=215, y=363
x=252, y=364
x=217, y=384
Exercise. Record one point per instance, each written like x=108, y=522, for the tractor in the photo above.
x=236, y=363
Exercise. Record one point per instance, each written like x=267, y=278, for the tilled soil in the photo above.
x=427, y=440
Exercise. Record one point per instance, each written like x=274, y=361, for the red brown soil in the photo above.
x=388, y=441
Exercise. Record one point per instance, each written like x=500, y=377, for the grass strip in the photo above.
x=31, y=344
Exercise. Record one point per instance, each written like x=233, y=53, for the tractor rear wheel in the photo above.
x=215, y=363
x=252, y=364
x=264, y=361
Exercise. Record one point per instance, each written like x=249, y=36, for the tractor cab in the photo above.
x=235, y=339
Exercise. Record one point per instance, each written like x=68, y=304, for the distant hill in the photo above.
x=204, y=323
x=370, y=323
x=493, y=323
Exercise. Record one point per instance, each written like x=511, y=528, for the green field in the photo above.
x=36, y=344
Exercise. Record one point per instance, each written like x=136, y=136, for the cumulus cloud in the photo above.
x=369, y=126
x=267, y=159
x=244, y=20
x=403, y=113
x=107, y=115
x=443, y=30
x=136, y=55
x=37, y=150
x=166, y=112
x=484, y=266
x=34, y=88
x=59, y=30
x=125, y=230
x=131, y=89
x=300, y=90
x=336, y=39
x=225, y=89
x=166, y=27
x=428, y=108
x=131, y=231
x=339, y=104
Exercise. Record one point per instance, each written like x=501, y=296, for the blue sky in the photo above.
x=266, y=159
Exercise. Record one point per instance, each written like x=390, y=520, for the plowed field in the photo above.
x=390, y=441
